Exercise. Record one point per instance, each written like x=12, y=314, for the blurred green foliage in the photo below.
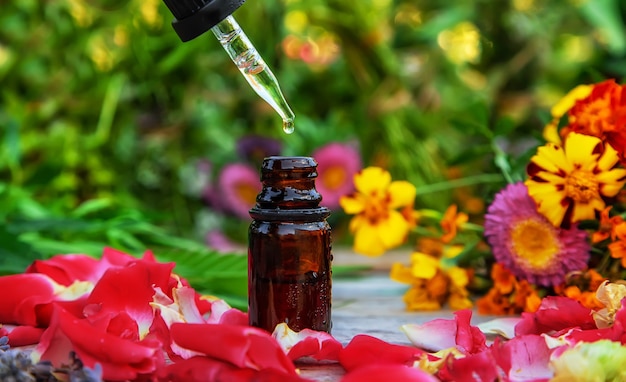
x=101, y=101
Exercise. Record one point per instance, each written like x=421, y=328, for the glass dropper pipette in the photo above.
x=253, y=67
x=194, y=17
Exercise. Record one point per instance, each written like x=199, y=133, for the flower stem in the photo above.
x=461, y=182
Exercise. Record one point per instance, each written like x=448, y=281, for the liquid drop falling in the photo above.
x=288, y=126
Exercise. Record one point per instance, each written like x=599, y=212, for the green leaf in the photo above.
x=504, y=126
x=91, y=206
x=604, y=15
x=211, y=272
x=15, y=254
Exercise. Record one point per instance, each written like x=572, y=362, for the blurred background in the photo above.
x=114, y=132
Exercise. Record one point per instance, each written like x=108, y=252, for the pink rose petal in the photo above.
x=120, y=358
x=244, y=347
x=366, y=350
x=440, y=334
x=307, y=343
x=556, y=313
x=388, y=372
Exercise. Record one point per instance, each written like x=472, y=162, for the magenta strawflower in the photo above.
x=239, y=185
x=336, y=165
x=529, y=245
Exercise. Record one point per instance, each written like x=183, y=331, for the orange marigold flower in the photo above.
x=607, y=226
x=618, y=248
x=503, y=279
x=602, y=114
x=451, y=222
x=504, y=300
x=582, y=287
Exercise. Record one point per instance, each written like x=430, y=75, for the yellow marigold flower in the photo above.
x=377, y=226
x=568, y=182
x=432, y=283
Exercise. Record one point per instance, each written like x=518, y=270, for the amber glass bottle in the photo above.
x=289, y=255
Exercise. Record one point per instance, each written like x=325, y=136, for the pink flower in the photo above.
x=239, y=185
x=336, y=165
x=218, y=241
x=528, y=244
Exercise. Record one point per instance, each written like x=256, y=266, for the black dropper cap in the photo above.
x=194, y=17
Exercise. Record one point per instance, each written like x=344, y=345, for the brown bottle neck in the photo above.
x=290, y=215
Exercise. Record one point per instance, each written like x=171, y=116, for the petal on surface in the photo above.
x=377, y=373
x=242, y=346
x=469, y=339
x=24, y=336
x=372, y=179
x=130, y=289
x=205, y=369
x=307, y=343
x=554, y=314
x=26, y=292
x=524, y=358
x=402, y=193
x=440, y=334
x=474, y=367
x=121, y=359
x=364, y=350
x=504, y=327
x=66, y=269
x=433, y=336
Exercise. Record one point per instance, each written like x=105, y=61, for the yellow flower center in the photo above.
x=534, y=242
x=334, y=177
x=581, y=186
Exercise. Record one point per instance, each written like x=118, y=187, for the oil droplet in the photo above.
x=288, y=126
